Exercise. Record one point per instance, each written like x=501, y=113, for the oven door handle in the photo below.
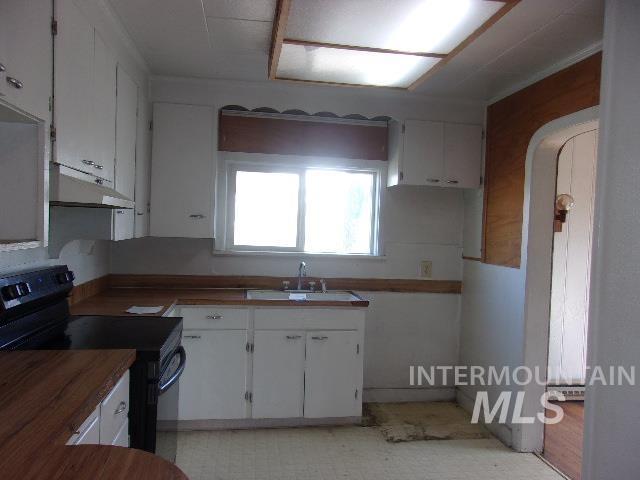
x=174, y=378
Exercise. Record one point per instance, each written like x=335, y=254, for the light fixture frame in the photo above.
x=278, y=38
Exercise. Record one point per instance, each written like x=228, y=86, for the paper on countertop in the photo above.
x=145, y=310
x=297, y=296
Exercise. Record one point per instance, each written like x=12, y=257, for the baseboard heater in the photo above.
x=570, y=392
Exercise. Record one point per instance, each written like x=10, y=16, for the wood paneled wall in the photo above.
x=239, y=133
x=511, y=122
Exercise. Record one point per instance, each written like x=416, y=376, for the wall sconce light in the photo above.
x=564, y=203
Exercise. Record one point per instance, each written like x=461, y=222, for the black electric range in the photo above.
x=34, y=314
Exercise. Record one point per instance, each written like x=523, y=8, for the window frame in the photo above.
x=299, y=168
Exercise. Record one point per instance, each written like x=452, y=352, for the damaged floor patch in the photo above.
x=407, y=422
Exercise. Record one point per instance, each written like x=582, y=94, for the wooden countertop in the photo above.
x=115, y=301
x=44, y=397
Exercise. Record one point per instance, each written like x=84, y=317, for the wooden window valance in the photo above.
x=308, y=136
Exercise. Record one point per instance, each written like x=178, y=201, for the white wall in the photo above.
x=88, y=260
x=612, y=414
x=416, y=224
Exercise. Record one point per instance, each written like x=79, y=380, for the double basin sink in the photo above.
x=302, y=296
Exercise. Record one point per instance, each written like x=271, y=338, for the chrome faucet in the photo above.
x=302, y=272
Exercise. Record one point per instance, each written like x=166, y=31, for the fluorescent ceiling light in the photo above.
x=324, y=64
x=388, y=43
x=438, y=26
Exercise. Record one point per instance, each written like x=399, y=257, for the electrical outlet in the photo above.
x=425, y=268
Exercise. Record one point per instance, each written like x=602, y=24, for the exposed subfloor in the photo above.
x=406, y=422
x=348, y=453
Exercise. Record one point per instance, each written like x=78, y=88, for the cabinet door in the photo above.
x=123, y=224
x=122, y=437
x=25, y=28
x=143, y=170
x=213, y=384
x=422, y=161
x=463, y=155
x=104, y=110
x=90, y=436
x=332, y=386
x=126, y=125
x=114, y=411
x=73, y=79
x=278, y=374
x=182, y=171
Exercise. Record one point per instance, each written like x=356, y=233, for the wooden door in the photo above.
x=126, y=127
x=572, y=262
x=422, y=161
x=73, y=78
x=278, y=374
x=213, y=384
x=182, y=173
x=331, y=375
x=462, y=155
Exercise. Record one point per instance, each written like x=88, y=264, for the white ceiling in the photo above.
x=230, y=39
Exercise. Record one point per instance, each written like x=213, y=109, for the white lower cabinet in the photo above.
x=109, y=422
x=271, y=363
x=213, y=384
x=278, y=374
x=332, y=381
x=89, y=431
x=122, y=437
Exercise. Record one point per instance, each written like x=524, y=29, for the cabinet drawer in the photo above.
x=308, y=319
x=114, y=410
x=89, y=431
x=213, y=318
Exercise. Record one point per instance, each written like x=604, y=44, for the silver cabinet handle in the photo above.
x=452, y=181
x=99, y=181
x=433, y=180
x=319, y=337
x=120, y=212
x=195, y=337
x=2, y=68
x=122, y=406
x=88, y=162
x=215, y=316
x=139, y=213
x=15, y=82
x=196, y=215
x=99, y=167
x=293, y=337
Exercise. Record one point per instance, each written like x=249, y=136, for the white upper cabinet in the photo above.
x=463, y=155
x=26, y=54
x=126, y=126
x=74, y=89
x=423, y=161
x=143, y=171
x=435, y=154
x=182, y=171
x=104, y=109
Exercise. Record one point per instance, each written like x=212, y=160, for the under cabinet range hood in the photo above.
x=71, y=187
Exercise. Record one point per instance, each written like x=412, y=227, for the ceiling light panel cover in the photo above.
x=323, y=64
x=426, y=26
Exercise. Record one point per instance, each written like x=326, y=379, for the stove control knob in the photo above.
x=15, y=291
x=65, y=277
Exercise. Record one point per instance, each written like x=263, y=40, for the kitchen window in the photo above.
x=302, y=209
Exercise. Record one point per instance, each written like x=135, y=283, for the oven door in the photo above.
x=168, y=397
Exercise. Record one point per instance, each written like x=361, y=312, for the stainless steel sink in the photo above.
x=302, y=295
